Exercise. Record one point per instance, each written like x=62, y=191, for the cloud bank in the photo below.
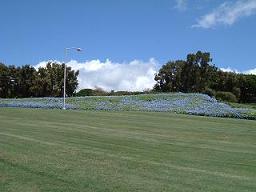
x=227, y=13
x=136, y=75
x=229, y=69
x=130, y=76
x=251, y=71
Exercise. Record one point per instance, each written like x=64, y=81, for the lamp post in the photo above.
x=65, y=73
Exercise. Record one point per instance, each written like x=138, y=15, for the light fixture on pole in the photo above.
x=65, y=73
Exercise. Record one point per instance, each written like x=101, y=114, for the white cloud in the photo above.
x=132, y=76
x=42, y=64
x=181, y=5
x=227, y=13
x=251, y=71
x=229, y=69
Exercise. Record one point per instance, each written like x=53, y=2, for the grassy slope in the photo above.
x=53, y=150
x=181, y=103
x=243, y=105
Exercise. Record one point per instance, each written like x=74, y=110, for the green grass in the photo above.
x=243, y=105
x=58, y=151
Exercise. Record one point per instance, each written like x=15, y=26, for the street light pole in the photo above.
x=65, y=73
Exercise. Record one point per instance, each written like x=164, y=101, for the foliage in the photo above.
x=84, y=92
x=192, y=75
x=198, y=74
x=26, y=81
x=248, y=88
x=226, y=96
x=209, y=92
x=100, y=92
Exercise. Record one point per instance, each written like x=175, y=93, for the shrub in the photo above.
x=209, y=92
x=237, y=92
x=226, y=96
x=85, y=92
x=91, y=92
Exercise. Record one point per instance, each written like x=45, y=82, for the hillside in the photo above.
x=195, y=104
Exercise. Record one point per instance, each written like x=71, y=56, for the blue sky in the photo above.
x=125, y=30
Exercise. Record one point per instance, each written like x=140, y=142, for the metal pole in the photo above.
x=65, y=74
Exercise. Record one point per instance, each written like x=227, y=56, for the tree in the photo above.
x=26, y=81
x=41, y=86
x=193, y=75
x=247, y=88
x=49, y=80
x=198, y=74
x=4, y=81
x=169, y=77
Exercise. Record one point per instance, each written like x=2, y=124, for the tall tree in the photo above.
x=248, y=88
x=169, y=77
x=51, y=80
x=5, y=81
x=193, y=75
x=26, y=81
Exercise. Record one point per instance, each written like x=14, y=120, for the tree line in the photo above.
x=195, y=74
x=198, y=74
x=27, y=81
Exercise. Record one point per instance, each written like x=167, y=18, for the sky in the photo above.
x=121, y=38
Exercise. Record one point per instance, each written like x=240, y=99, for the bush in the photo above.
x=85, y=92
x=209, y=92
x=237, y=92
x=91, y=92
x=226, y=96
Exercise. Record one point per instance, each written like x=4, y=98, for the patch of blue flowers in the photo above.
x=192, y=103
x=45, y=103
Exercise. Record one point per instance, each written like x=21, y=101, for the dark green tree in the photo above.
x=193, y=75
x=51, y=80
x=5, y=81
x=169, y=77
x=247, y=88
x=26, y=81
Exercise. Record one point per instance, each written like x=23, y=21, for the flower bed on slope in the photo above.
x=193, y=103
x=45, y=103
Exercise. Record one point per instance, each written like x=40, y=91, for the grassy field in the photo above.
x=64, y=151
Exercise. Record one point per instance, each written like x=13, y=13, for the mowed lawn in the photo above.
x=55, y=150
